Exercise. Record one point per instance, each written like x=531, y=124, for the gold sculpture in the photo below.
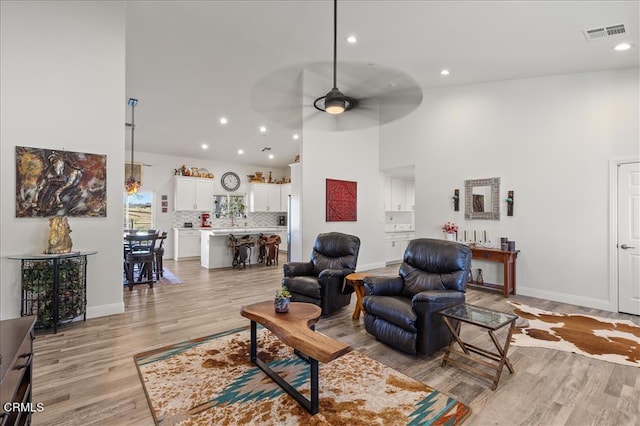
x=59, y=238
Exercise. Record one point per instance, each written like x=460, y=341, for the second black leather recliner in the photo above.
x=321, y=280
x=402, y=311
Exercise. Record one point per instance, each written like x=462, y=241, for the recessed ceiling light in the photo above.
x=296, y=137
x=263, y=129
x=205, y=146
x=445, y=72
x=352, y=39
x=271, y=156
x=622, y=46
x=223, y=120
x=240, y=152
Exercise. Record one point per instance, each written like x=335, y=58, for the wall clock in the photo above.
x=230, y=181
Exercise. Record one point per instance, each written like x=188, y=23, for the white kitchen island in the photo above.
x=214, y=248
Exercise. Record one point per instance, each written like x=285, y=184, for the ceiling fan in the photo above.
x=335, y=102
x=378, y=94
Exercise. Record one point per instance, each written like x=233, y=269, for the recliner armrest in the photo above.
x=296, y=269
x=435, y=300
x=340, y=273
x=383, y=286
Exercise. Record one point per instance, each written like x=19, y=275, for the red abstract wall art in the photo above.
x=342, y=201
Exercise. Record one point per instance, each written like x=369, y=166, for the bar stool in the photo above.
x=241, y=250
x=272, y=249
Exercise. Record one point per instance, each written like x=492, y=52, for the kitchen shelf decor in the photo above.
x=54, y=287
x=193, y=172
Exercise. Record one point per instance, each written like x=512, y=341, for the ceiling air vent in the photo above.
x=604, y=32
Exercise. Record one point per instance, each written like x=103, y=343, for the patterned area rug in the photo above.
x=210, y=381
x=610, y=340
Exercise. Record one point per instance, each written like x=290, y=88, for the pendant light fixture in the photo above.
x=132, y=185
x=335, y=102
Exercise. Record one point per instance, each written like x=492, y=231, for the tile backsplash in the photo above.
x=252, y=219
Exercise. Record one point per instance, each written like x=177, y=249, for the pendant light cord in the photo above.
x=335, y=38
x=133, y=127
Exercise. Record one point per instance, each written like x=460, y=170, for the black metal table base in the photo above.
x=311, y=405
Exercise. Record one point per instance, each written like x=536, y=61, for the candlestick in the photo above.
x=465, y=235
x=474, y=236
x=485, y=236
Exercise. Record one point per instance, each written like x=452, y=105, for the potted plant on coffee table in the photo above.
x=282, y=300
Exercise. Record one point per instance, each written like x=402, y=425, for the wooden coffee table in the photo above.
x=356, y=280
x=296, y=329
x=491, y=321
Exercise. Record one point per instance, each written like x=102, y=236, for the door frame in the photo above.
x=613, y=229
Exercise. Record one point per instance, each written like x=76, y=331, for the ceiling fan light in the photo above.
x=335, y=106
x=335, y=102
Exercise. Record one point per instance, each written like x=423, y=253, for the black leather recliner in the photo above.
x=401, y=311
x=321, y=280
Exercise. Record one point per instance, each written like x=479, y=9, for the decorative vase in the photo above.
x=282, y=304
x=451, y=237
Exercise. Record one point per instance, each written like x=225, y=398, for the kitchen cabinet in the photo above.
x=193, y=194
x=265, y=197
x=399, y=194
x=285, y=191
x=410, y=195
x=396, y=244
x=283, y=241
x=186, y=243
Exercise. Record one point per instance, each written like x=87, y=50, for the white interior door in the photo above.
x=629, y=238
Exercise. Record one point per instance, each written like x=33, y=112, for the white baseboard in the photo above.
x=370, y=266
x=104, y=310
x=571, y=299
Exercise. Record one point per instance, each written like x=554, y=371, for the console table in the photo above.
x=16, y=356
x=54, y=287
x=508, y=260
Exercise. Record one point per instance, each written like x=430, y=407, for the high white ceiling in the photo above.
x=191, y=62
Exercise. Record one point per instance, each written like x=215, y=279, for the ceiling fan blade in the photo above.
x=403, y=98
x=278, y=97
x=386, y=89
x=383, y=94
x=383, y=81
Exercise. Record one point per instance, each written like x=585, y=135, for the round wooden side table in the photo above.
x=356, y=280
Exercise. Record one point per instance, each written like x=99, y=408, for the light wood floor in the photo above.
x=86, y=375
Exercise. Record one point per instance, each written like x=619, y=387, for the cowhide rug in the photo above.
x=610, y=340
x=211, y=381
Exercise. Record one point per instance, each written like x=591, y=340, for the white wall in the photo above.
x=345, y=155
x=63, y=87
x=550, y=140
x=158, y=178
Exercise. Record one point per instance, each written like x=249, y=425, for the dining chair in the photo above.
x=139, y=256
x=158, y=255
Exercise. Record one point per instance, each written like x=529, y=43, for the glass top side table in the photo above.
x=491, y=321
